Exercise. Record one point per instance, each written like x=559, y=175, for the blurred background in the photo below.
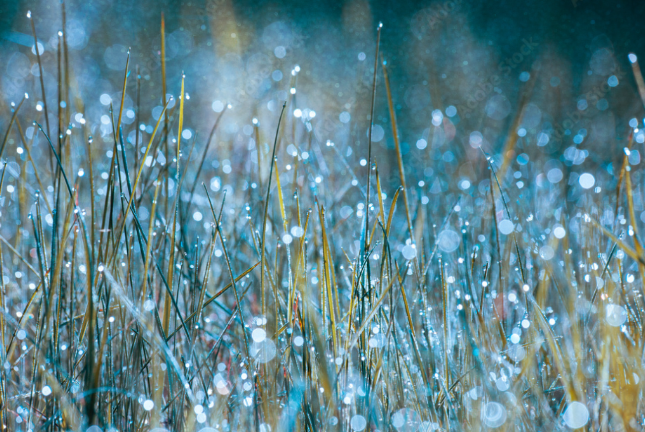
x=553, y=75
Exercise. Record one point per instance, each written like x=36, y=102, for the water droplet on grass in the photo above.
x=149, y=305
x=505, y=226
x=494, y=414
x=616, y=315
x=409, y=252
x=358, y=423
x=406, y=420
x=586, y=180
x=448, y=240
x=263, y=351
x=576, y=415
x=259, y=335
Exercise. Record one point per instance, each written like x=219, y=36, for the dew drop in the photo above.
x=406, y=420
x=516, y=353
x=263, y=351
x=409, y=252
x=616, y=315
x=546, y=252
x=586, y=180
x=576, y=415
x=259, y=335
x=297, y=231
x=358, y=423
x=559, y=232
x=448, y=240
x=494, y=414
x=505, y=226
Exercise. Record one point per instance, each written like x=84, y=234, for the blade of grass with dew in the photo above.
x=266, y=211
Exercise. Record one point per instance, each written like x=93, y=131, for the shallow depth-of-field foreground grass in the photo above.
x=302, y=290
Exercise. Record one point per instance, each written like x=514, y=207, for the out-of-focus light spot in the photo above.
x=41, y=49
x=476, y=139
x=218, y=106
x=559, y=232
x=437, y=117
x=586, y=180
x=280, y=51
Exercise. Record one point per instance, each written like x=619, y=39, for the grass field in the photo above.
x=302, y=291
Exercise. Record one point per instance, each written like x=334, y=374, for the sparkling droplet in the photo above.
x=409, y=252
x=494, y=414
x=587, y=180
x=576, y=415
x=505, y=226
x=448, y=240
x=259, y=335
x=358, y=423
x=616, y=315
